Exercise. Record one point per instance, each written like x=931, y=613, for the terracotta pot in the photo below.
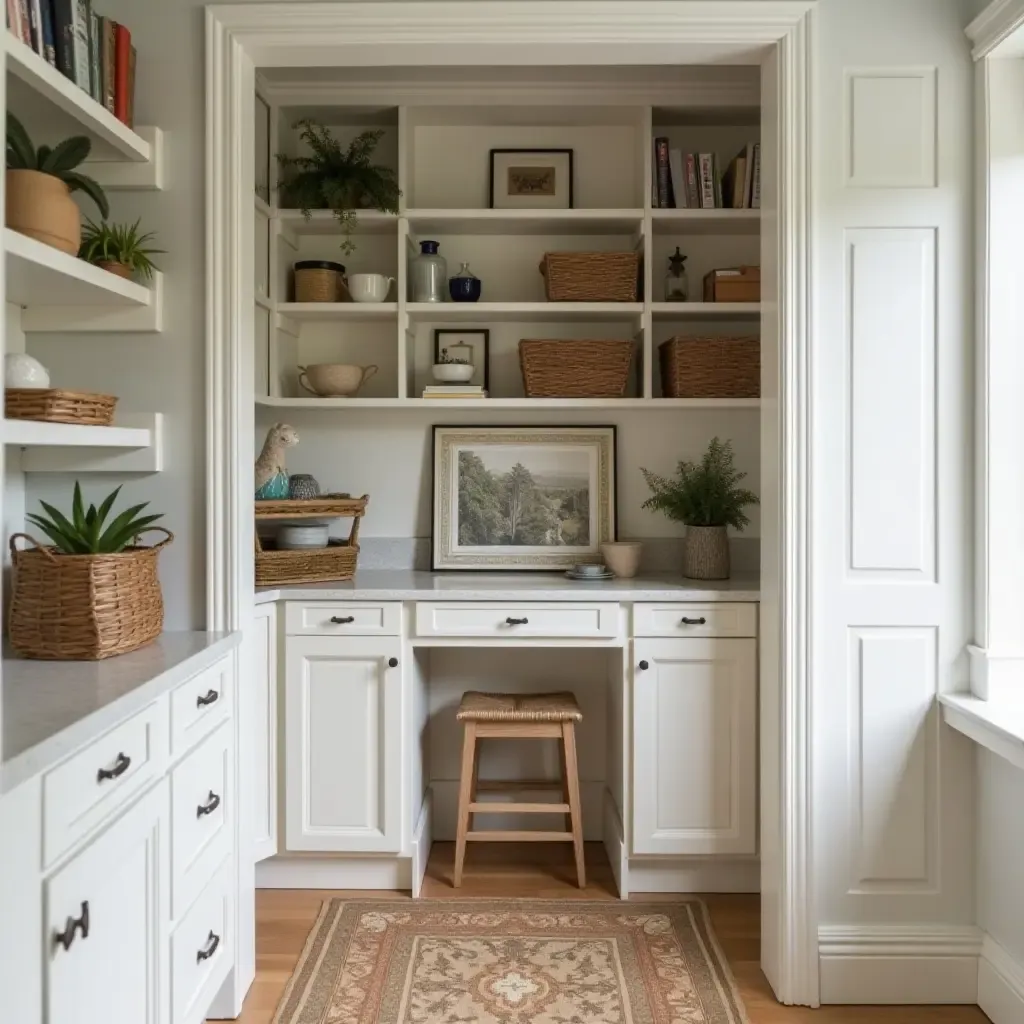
x=113, y=267
x=706, y=553
x=40, y=206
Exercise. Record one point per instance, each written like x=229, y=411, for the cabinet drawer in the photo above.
x=201, y=834
x=97, y=782
x=517, y=621
x=200, y=705
x=202, y=951
x=695, y=620
x=326, y=618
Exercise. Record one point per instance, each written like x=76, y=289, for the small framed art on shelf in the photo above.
x=531, y=179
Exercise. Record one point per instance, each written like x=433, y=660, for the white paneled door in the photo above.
x=695, y=746
x=343, y=743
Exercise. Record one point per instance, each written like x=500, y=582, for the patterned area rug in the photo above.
x=511, y=962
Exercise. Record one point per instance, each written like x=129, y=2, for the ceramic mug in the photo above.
x=369, y=287
x=334, y=380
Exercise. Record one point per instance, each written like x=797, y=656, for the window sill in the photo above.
x=996, y=725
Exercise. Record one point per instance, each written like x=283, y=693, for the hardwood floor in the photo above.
x=545, y=871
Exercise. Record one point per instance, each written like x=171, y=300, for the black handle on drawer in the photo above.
x=212, y=942
x=693, y=622
x=121, y=763
x=342, y=620
x=392, y=663
x=72, y=926
x=516, y=622
x=643, y=666
x=210, y=697
x=212, y=803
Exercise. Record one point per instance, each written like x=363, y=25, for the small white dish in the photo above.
x=369, y=287
x=453, y=373
x=589, y=576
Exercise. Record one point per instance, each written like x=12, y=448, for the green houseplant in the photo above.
x=94, y=591
x=342, y=180
x=119, y=248
x=39, y=183
x=706, y=497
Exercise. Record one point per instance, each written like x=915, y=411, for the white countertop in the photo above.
x=399, y=585
x=51, y=708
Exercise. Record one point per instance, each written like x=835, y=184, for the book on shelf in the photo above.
x=122, y=60
x=49, y=39
x=699, y=181
x=664, y=177
x=108, y=36
x=24, y=23
x=466, y=391
x=692, y=186
x=675, y=167
x=755, y=185
x=35, y=26
x=733, y=182
x=706, y=177
x=95, y=69
x=71, y=33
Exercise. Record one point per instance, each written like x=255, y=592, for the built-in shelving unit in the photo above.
x=509, y=403
x=134, y=444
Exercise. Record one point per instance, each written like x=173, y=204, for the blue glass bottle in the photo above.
x=464, y=286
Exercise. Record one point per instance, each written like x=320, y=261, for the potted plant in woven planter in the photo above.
x=94, y=592
x=39, y=184
x=119, y=248
x=705, y=497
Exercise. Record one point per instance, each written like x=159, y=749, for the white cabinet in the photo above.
x=262, y=737
x=343, y=714
x=108, y=906
x=695, y=746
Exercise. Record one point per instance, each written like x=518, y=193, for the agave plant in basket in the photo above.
x=119, y=248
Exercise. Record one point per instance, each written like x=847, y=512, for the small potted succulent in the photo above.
x=704, y=497
x=452, y=369
x=119, y=248
x=39, y=184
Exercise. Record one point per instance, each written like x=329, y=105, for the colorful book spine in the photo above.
x=49, y=37
x=716, y=177
x=706, y=171
x=664, y=174
x=24, y=23
x=108, y=35
x=64, y=36
x=35, y=26
x=14, y=18
x=122, y=58
x=755, y=188
x=95, y=72
x=80, y=12
x=131, y=88
x=675, y=166
x=748, y=173
x=692, y=182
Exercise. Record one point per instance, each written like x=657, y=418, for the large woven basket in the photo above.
x=84, y=607
x=700, y=367
x=54, y=405
x=575, y=367
x=591, y=276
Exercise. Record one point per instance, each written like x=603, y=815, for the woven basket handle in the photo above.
x=161, y=529
x=39, y=547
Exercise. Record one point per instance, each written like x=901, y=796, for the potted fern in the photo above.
x=119, y=248
x=94, y=591
x=333, y=178
x=704, y=497
x=39, y=183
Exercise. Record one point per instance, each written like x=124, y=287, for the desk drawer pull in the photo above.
x=342, y=620
x=73, y=925
x=516, y=622
x=212, y=942
x=212, y=803
x=121, y=763
x=210, y=697
x=693, y=622
x=643, y=666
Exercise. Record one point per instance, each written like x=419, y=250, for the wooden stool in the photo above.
x=519, y=716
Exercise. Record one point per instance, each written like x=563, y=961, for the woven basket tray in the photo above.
x=335, y=562
x=327, y=506
x=591, y=276
x=574, y=367
x=710, y=367
x=53, y=405
x=84, y=607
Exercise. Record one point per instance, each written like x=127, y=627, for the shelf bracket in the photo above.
x=43, y=459
x=127, y=175
x=147, y=319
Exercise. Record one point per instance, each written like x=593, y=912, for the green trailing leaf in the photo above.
x=119, y=243
x=87, y=532
x=704, y=493
x=83, y=183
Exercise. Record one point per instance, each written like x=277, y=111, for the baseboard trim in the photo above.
x=899, y=964
x=422, y=840
x=316, y=871
x=694, y=875
x=615, y=845
x=1000, y=984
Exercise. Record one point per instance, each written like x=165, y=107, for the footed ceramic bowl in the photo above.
x=453, y=373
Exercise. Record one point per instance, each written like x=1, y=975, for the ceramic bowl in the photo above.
x=296, y=537
x=590, y=569
x=453, y=373
x=369, y=287
x=623, y=557
x=334, y=380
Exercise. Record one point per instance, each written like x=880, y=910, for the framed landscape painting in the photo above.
x=522, y=498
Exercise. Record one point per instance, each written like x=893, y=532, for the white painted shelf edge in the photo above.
x=509, y=403
x=135, y=445
x=993, y=725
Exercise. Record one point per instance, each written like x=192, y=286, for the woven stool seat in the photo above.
x=518, y=707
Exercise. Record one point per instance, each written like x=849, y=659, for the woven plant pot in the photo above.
x=40, y=206
x=84, y=607
x=706, y=553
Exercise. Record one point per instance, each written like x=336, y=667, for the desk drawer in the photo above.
x=710, y=620
x=200, y=705
x=517, y=621
x=338, y=618
x=100, y=780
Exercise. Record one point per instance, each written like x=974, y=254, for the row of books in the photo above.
x=454, y=391
x=96, y=53
x=696, y=181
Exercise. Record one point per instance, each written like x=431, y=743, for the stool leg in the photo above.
x=566, y=818
x=573, y=781
x=466, y=786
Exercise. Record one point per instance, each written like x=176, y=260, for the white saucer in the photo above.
x=592, y=576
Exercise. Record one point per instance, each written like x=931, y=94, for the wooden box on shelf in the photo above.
x=54, y=405
x=591, y=276
x=701, y=367
x=575, y=367
x=733, y=284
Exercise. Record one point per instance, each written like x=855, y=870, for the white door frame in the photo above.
x=778, y=35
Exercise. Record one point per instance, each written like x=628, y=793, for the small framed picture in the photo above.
x=474, y=345
x=531, y=179
x=519, y=498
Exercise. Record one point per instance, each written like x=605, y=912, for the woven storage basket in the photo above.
x=710, y=367
x=85, y=607
x=56, y=406
x=574, y=367
x=320, y=281
x=591, y=276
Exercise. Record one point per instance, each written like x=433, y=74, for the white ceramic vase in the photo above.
x=23, y=371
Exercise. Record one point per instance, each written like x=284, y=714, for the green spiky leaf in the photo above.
x=82, y=183
x=87, y=531
x=21, y=153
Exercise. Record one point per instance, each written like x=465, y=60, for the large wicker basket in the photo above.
x=575, y=367
x=53, y=405
x=591, y=276
x=700, y=367
x=84, y=607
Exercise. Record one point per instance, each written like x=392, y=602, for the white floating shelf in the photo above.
x=509, y=403
x=707, y=222
x=706, y=310
x=525, y=222
x=522, y=312
x=304, y=312
x=323, y=222
x=135, y=445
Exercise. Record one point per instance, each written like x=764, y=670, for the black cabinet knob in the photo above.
x=121, y=763
x=210, y=697
x=693, y=622
x=212, y=803
x=643, y=665
x=516, y=622
x=342, y=620
x=392, y=663
x=72, y=926
x=212, y=942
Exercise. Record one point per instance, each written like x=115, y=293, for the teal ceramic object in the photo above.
x=275, y=487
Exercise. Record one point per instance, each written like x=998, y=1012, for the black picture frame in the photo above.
x=441, y=331
x=533, y=149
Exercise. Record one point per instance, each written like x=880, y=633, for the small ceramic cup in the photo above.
x=622, y=556
x=369, y=287
x=589, y=569
x=298, y=537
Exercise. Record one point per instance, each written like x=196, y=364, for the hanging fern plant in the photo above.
x=342, y=180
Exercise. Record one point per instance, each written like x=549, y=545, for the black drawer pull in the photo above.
x=392, y=663
x=72, y=926
x=516, y=622
x=212, y=942
x=643, y=666
x=212, y=803
x=693, y=622
x=342, y=620
x=121, y=763
x=211, y=697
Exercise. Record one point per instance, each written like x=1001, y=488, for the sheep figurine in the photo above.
x=271, y=475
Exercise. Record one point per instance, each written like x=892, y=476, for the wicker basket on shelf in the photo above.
x=84, y=607
x=575, y=367
x=591, y=276
x=701, y=367
x=53, y=405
